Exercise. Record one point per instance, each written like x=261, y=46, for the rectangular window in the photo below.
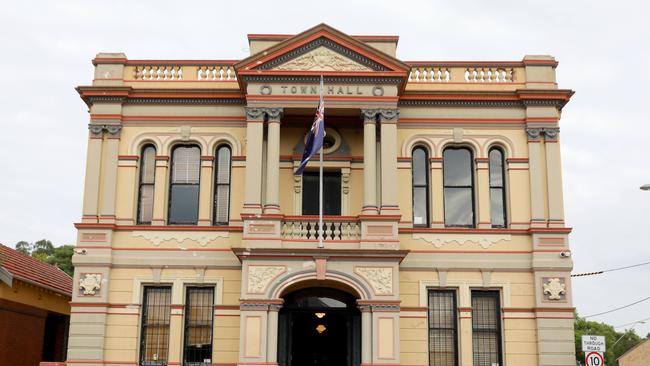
x=199, y=310
x=331, y=193
x=154, y=339
x=486, y=328
x=184, y=185
x=443, y=328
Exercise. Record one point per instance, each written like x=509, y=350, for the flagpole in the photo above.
x=320, y=185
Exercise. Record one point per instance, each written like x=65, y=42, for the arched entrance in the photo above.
x=319, y=326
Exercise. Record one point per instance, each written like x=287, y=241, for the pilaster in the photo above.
x=160, y=191
x=537, y=196
x=272, y=204
x=205, y=189
x=109, y=174
x=93, y=169
x=369, y=161
x=437, y=194
x=127, y=185
x=483, y=193
x=388, y=122
x=554, y=177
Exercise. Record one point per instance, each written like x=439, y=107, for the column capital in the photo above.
x=551, y=132
x=97, y=130
x=388, y=114
x=534, y=133
x=259, y=114
x=369, y=115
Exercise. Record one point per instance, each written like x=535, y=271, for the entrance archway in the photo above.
x=319, y=326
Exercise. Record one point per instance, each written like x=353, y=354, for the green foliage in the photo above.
x=45, y=251
x=626, y=339
x=24, y=247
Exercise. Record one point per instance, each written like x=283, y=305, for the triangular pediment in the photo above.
x=322, y=59
x=321, y=49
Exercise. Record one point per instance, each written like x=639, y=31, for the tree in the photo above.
x=62, y=258
x=628, y=339
x=45, y=251
x=24, y=247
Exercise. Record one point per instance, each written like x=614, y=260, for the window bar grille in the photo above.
x=199, y=312
x=154, y=340
x=443, y=328
x=486, y=328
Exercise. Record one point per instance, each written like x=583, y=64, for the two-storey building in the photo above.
x=445, y=241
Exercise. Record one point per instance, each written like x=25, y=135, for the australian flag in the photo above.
x=316, y=134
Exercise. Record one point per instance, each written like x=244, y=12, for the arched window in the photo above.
x=420, y=187
x=222, y=185
x=458, y=187
x=146, y=184
x=497, y=189
x=184, y=186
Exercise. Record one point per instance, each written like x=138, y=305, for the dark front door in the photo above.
x=319, y=327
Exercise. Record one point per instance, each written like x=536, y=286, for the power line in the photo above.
x=608, y=270
x=622, y=307
x=631, y=323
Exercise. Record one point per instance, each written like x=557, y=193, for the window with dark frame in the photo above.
x=443, y=328
x=497, y=189
x=458, y=186
x=199, y=310
x=331, y=193
x=222, y=185
x=184, y=185
x=486, y=328
x=154, y=337
x=146, y=184
x=420, y=174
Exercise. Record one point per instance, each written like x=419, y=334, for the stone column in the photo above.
x=388, y=122
x=369, y=161
x=93, y=165
x=254, y=140
x=109, y=174
x=366, y=334
x=205, y=188
x=272, y=204
x=160, y=191
x=554, y=178
x=537, y=217
x=483, y=193
x=272, y=334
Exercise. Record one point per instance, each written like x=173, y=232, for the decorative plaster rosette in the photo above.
x=90, y=283
x=554, y=288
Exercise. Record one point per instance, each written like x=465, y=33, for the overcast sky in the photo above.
x=603, y=48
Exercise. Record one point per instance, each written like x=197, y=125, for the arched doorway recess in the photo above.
x=319, y=326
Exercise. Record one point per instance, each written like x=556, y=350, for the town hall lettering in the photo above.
x=328, y=90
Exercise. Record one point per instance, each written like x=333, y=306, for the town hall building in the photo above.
x=444, y=234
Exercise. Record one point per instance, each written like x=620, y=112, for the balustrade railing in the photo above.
x=444, y=73
x=301, y=228
x=181, y=71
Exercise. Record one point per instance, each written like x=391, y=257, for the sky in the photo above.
x=602, y=47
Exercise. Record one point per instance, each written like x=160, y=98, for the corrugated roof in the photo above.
x=28, y=269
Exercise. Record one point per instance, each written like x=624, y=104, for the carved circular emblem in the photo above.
x=266, y=90
x=378, y=91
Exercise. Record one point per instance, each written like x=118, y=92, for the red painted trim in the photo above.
x=183, y=118
x=81, y=225
x=179, y=62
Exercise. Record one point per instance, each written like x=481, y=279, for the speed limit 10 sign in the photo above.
x=594, y=359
